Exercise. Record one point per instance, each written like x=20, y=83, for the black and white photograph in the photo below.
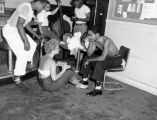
x=78, y=60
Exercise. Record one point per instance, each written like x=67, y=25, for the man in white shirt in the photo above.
x=22, y=44
x=82, y=16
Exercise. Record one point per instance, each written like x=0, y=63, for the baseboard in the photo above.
x=134, y=83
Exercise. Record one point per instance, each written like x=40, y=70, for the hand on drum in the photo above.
x=68, y=66
x=74, y=18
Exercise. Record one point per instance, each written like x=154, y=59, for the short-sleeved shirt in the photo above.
x=42, y=17
x=24, y=11
x=81, y=13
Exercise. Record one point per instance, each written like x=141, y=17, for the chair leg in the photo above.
x=78, y=61
x=41, y=48
x=10, y=61
x=117, y=88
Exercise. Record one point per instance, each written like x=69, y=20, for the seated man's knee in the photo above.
x=69, y=73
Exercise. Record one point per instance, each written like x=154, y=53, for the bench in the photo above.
x=5, y=46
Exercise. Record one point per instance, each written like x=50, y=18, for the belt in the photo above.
x=117, y=55
x=80, y=24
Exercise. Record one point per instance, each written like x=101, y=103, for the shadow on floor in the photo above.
x=9, y=80
x=70, y=103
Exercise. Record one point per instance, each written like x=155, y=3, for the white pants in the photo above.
x=16, y=44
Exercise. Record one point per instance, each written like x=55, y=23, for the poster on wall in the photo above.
x=149, y=1
x=136, y=9
x=146, y=11
x=149, y=9
x=128, y=9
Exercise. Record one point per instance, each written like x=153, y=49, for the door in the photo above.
x=99, y=10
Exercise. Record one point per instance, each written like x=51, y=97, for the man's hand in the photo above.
x=58, y=2
x=74, y=18
x=27, y=46
x=86, y=63
x=41, y=37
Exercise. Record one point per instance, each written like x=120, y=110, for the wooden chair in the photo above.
x=124, y=52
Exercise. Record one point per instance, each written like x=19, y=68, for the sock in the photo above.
x=85, y=79
x=98, y=85
x=17, y=80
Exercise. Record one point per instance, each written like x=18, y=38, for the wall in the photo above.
x=141, y=71
x=15, y=3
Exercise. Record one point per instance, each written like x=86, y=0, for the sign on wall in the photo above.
x=136, y=9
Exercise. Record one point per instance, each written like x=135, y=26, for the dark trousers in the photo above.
x=48, y=33
x=98, y=68
x=49, y=85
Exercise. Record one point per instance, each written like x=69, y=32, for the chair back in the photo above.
x=82, y=39
x=124, y=52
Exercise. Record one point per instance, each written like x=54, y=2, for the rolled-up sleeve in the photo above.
x=40, y=17
x=24, y=11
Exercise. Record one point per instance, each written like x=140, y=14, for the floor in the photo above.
x=70, y=103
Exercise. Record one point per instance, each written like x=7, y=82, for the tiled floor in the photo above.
x=70, y=103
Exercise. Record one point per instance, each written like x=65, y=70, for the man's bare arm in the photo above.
x=85, y=19
x=91, y=48
x=29, y=28
x=55, y=10
x=40, y=27
x=104, y=53
x=21, y=31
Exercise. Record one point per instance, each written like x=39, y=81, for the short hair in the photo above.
x=94, y=29
x=48, y=2
x=51, y=45
x=77, y=0
x=42, y=1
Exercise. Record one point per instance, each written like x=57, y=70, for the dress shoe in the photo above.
x=95, y=92
x=20, y=84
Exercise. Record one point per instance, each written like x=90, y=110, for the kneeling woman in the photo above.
x=50, y=77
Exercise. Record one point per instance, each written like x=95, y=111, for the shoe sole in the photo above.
x=82, y=86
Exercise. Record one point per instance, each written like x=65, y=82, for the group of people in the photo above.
x=102, y=53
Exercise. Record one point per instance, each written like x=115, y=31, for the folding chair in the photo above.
x=124, y=52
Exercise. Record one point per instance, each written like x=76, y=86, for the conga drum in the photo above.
x=61, y=28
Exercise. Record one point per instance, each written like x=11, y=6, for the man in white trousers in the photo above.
x=22, y=44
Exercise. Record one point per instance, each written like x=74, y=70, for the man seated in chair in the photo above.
x=102, y=54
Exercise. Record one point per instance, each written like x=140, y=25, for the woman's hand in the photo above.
x=60, y=63
x=64, y=67
x=27, y=46
x=68, y=66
